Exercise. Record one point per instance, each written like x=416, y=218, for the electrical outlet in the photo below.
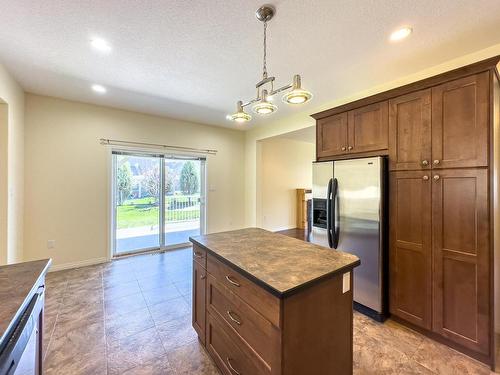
x=51, y=244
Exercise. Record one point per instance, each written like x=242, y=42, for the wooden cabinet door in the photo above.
x=199, y=293
x=331, y=135
x=410, y=131
x=461, y=289
x=460, y=111
x=368, y=128
x=410, y=247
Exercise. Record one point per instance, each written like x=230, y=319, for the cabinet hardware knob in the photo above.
x=232, y=317
x=228, y=360
x=425, y=162
x=349, y=148
x=436, y=177
x=425, y=178
x=343, y=148
x=198, y=254
x=203, y=277
x=436, y=162
x=235, y=283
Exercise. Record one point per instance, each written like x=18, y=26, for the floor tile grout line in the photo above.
x=104, y=323
x=55, y=321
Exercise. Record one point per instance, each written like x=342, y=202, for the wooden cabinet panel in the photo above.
x=460, y=122
x=261, y=300
x=461, y=257
x=410, y=131
x=200, y=255
x=331, y=136
x=199, y=293
x=410, y=247
x=368, y=128
x=231, y=356
x=247, y=323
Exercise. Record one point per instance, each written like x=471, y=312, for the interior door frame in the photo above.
x=161, y=204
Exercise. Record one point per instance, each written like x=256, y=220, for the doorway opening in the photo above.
x=158, y=201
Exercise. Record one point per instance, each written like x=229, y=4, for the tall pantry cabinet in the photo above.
x=443, y=203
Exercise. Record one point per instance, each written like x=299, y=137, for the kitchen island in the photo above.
x=265, y=303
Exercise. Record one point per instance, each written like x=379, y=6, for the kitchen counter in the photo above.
x=265, y=303
x=18, y=283
x=281, y=264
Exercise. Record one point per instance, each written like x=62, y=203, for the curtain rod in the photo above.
x=114, y=142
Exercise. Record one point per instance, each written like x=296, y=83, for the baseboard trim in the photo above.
x=81, y=263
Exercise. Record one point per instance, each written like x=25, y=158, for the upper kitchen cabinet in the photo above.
x=460, y=111
x=331, y=136
x=362, y=130
x=368, y=128
x=410, y=131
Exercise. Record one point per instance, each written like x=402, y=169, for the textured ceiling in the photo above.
x=194, y=59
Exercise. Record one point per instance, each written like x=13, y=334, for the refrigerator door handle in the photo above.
x=335, y=214
x=329, y=213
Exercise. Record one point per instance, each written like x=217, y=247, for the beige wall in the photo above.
x=286, y=165
x=67, y=174
x=11, y=168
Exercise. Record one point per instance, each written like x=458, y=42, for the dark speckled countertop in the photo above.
x=279, y=263
x=18, y=282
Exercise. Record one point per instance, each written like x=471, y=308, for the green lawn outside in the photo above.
x=142, y=212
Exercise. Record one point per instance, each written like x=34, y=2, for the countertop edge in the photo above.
x=20, y=310
x=269, y=288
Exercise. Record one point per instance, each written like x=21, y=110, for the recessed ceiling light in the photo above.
x=400, y=34
x=100, y=45
x=100, y=89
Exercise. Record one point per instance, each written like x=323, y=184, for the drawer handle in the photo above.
x=203, y=277
x=228, y=360
x=232, y=317
x=198, y=254
x=228, y=278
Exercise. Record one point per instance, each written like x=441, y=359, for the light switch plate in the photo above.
x=346, y=282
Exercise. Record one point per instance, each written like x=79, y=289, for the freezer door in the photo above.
x=359, y=189
x=322, y=174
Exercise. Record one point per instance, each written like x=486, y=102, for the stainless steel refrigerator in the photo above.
x=348, y=214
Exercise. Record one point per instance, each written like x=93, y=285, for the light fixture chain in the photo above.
x=264, y=72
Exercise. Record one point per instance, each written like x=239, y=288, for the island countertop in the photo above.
x=281, y=264
x=18, y=283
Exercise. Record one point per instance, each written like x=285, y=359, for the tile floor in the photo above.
x=132, y=316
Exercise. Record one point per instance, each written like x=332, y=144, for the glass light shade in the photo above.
x=264, y=108
x=297, y=96
x=240, y=117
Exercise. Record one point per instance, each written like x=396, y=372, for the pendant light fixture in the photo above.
x=261, y=105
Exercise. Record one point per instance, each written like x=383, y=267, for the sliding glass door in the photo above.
x=158, y=201
x=183, y=199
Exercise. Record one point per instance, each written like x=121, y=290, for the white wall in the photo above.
x=11, y=168
x=286, y=165
x=67, y=174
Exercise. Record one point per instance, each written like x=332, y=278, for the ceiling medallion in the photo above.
x=262, y=105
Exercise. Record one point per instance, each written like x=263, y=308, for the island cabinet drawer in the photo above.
x=230, y=355
x=258, y=298
x=200, y=255
x=255, y=330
